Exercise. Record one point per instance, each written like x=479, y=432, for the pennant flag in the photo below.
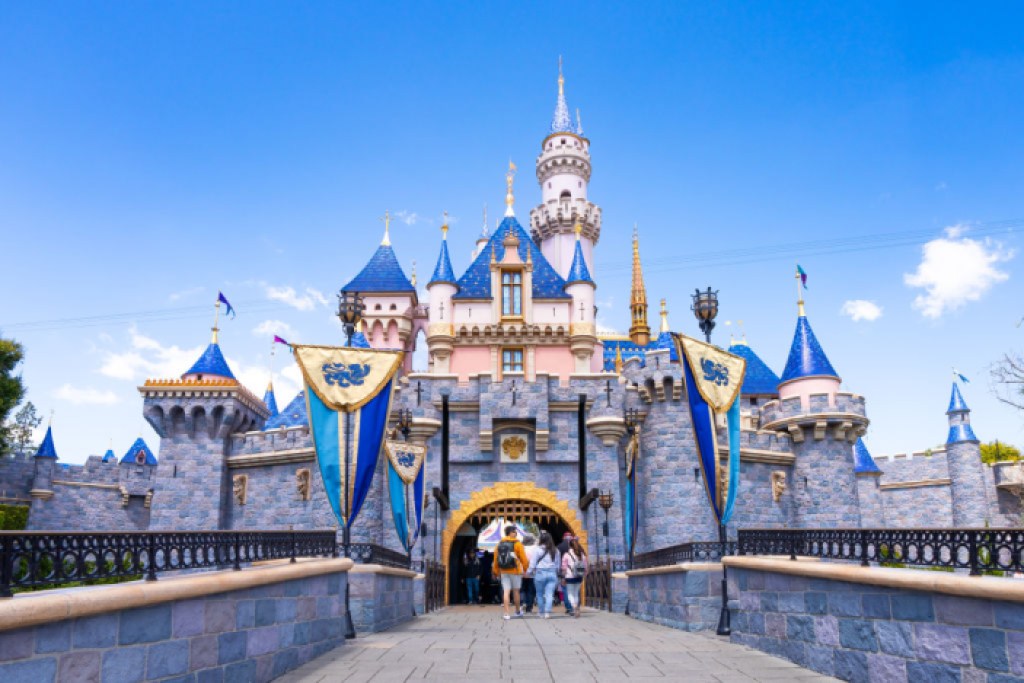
x=405, y=466
x=224, y=300
x=348, y=400
x=803, y=275
x=962, y=378
x=713, y=380
x=279, y=340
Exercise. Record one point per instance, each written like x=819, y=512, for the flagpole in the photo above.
x=350, y=629
x=799, y=292
x=216, y=319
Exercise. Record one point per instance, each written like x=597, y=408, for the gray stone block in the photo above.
x=43, y=670
x=145, y=625
x=988, y=649
x=96, y=632
x=125, y=665
x=231, y=646
x=167, y=659
x=53, y=637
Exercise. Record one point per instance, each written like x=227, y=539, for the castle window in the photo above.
x=563, y=141
x=566, y=194
x=753, y=401
x=394, y=307
x=511, y=360
x=580, y=184
x=376, y=307
x=511, y=293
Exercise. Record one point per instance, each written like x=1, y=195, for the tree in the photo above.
x=25, y=422
x=11, y=388
x=1008, y=380
x=998, y=452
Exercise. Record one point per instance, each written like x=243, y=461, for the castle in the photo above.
x=521, y=386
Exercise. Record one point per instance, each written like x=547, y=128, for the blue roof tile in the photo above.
x=959, y=433
x=46, y=448
x=139, y=448
x=759, y=379
x=359, y=341
x=862, y=460
x=578, y=271
x=381, y=274
x=293, y=415
x=806, y=357
x=666, y=341
x=211, y=363
x=270, y=400
x=956, y=401
x=109, y=456
x=628, y=350
x=443, y=271
x=475, y=283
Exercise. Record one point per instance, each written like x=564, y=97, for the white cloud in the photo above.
x=861, y=309
x=955, y=270
x=268, y=328
x=85, y=395
x=148, y=358
x=408, y=217
x=306, y=301
x=175, y=296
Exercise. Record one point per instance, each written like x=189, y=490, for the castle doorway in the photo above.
x=531, y=507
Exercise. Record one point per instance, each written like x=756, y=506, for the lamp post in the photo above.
x=403, y=420
x=705, y=309
x=605, y=500
x=350, y=312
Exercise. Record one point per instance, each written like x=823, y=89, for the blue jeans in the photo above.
x=472, y=590
x=545, y=581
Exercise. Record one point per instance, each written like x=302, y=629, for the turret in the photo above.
x=868, y=486
x=563, y=172
x=963, y=458
x=639, y=330
x=45, y=462
x=270, y=400
x=441, y=288
x=580, y=286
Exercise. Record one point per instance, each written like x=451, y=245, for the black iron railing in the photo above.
x=697, y=551
x=370, y=553
x=598, y=586
x=44, y=559
x=433, y=587
x=978, y=550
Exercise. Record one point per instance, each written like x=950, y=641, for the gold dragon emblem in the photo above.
x=514, y=447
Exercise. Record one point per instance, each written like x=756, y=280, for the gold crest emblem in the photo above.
x=514, y=447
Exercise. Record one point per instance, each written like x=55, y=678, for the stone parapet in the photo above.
x=381, y=597
x=686, y=596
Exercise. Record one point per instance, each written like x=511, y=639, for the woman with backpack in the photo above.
x=574, y=569
x=509, y=562
x=545, y=566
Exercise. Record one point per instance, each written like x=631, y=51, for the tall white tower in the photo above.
x=563, y=171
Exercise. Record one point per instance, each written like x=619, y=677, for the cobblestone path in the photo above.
x=475, y=644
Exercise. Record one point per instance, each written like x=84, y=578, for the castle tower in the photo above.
x=868, y=487
x=563, y=172
x=270, y=400
x=441, y=288
x=45, y=461
x=639, y=331
x=966, y=473
x=580, y=286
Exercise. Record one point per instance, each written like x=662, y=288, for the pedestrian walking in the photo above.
x=563, y=549
x=545, y=573
x=574, y=570
x=473, y=571
x=529, y=588
x=509, y=562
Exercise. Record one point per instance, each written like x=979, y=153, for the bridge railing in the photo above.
x=978, y=550
x=371, y=553
x=51, y=559
x=695, y=551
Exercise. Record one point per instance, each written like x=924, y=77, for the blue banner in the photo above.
x=398, y=492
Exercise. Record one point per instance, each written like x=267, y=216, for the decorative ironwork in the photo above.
x=34, y=559
x=433, y=586
x=370, y=553
x=598, y=585
x=978, y=550
x=697, y=551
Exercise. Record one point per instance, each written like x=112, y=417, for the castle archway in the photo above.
x=513, y=501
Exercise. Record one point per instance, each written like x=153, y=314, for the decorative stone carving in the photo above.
x=778, y=484
x=514, y=448
x=240, y=487
x=302, y=483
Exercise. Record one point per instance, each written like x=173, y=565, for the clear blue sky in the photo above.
x=155, y=153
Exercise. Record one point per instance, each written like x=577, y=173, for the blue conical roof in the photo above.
x=359, y=341
x=759, y=378
x=578, y=271
x=956, y=401
x=806, y=357
x=270, y=400
x=211, y=363
x=381, y=274
x=862, y=460
x=293, y=415
x=46, y=448
x=139, y=447
x=443, y=271
x=109, y=456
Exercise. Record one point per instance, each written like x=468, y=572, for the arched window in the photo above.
x=394, y=307
x=376, y=307
x=566, y=194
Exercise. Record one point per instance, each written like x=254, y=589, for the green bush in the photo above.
x=13, y=517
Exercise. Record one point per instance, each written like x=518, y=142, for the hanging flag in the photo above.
x=405, y=466
x=279, y=340
x=803, y=275
x=713, y=380
x=348, y=400
x=224, y=300
x=962, y=378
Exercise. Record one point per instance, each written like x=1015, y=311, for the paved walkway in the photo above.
x=474, y=644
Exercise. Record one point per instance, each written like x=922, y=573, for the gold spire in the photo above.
x=386, y=242
x=639, y=330
x=618, y=359
x=444, y=226
x=664, y=317
x=412, y=280
x=509, y=196
x=561, y=78
x=578, y=229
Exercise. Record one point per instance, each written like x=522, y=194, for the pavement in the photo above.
x=473, y=643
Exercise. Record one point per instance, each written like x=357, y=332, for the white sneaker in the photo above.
x=506, y=617
x=519, y=614
x=547, y=616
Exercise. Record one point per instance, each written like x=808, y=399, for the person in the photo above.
x=574, y=569
x=509, y=562
x=563, y=550
x=473, y=571
x=529, y=589
x=545, y=565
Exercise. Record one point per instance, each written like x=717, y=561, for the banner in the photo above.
x=713, y=380
x=348, y=400
x=405, y=466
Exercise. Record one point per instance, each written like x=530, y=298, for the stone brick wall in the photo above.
x=924, y=507
x=869, y=493
x=381, y=599
x=968, y=491
x=1006, y=509
x=255, y=634
x=273, y=502
x=917, y=467
x=16, y=475
x=690, y=600
x=92, y=494
x=859, y=632
x=824, y=484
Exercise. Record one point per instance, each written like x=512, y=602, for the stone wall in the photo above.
x=252, y=634
x=97, y=496
x=381, y=597
x=16, y=475
x=864, y=632
x=918, y=507
x=687, y=597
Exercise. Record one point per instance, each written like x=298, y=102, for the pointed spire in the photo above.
x=578, y=271
x=483, y=231
x=863, y=463
x=618, y=358
x=510, y=198
x=639, y=330
x=443, y=271
x=664, y=316
x=956, y=401
x=959, y=415
x=806, y=357
x=561, y=122
x=270, y=400
x=412, y=277
x=46, y=448
x=386, y=242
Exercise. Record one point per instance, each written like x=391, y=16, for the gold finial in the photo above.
x=509, y=196
x=561, y=78
x=664, y=316
x=494, y=256
x=578, y=229
x=412, y=280
x=386, y=242
x=270, y=385
x=639, y=331
x=444, y=227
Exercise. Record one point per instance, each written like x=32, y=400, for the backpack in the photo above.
x=507, y=555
